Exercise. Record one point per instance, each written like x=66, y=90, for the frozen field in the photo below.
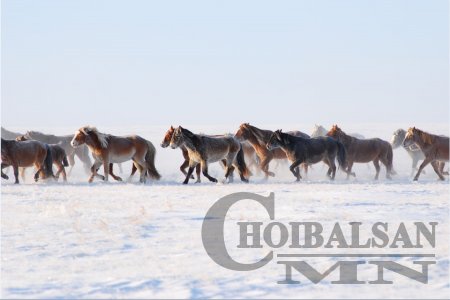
x=117, y=240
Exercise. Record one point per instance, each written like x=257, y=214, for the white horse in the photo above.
x=319, y=130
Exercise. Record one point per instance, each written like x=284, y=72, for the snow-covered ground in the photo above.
x=128, y=240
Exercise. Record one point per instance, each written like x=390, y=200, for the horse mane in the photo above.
x=258, y=133
x=426, y=137
x=102, y=137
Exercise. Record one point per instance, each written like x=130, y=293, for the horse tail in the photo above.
x=389, y=160
x=64, y=160
x=150, y=159
x=341, y=154
x=242, y=166
x=48, y=162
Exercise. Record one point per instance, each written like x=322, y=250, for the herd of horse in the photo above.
x=250, y=148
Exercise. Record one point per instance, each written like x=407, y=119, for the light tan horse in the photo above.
x=107, y=148
x=434, y=147
x=26, y=154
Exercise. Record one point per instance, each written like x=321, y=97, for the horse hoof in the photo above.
x=192, y=177
x=119, y=179
x=271, y=174
x=185, y=182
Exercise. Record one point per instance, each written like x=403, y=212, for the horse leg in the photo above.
x=204, y=165
x=265, y=167
x=106, y=168
x=229, y=173
x=183, y=167
x=384, y=160
x=425, y=162
x=305, y=168
x=295, y=170
x=225, y=165
x=142, y=166
x=16, y=174
x=441, y=168
x=63, y=171
x=436, y=166
x=376, y=163
x=94, y=173
x=40, y=170
x=192, y=166
x=331, y=167
x=111, y=172
x=349, y=169
x=22, y=172
x=4, y=176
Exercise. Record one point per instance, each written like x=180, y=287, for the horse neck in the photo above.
x=93, y=142
x=421, y=143
x=261, y=135
x=346, y=139
x=190, y=142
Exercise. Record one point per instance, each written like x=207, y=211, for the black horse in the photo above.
x=305, y=150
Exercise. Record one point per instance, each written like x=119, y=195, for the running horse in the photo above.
x=81, y=152
x=107, y=148
x=434, y=147
x=204, y=150
x=305, y=150
x=259, y=138
x=59, y=158
x=364, y=150
x=26, y=154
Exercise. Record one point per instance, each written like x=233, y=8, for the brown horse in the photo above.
x=107, y=148
x=26, y=154
x=434, y=147
x=258, y=138
x=364, y=150
x=208, y=149
x=59, y=157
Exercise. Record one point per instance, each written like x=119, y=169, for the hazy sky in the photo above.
x=107, y=63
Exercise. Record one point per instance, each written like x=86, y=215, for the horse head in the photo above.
x=177, y=138
x=274, y=140
x=167, y=137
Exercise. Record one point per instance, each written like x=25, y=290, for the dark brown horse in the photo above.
x=305, y=150
x=434, y=147
x=364, y=150
x=59, y=157
x=258, y=138
x=26, y=154
x=107, y=148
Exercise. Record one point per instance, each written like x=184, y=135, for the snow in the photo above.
x=128, y=240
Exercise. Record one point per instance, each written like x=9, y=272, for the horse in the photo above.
x=434, y=147
x=166, y=142
x=64, y=141
x=413, y=150
x=319, y=130
x=308, y=150
x=364, y=150
x=258, y=138
x=59, y=158
x=25, y=154
x=204, y=150
x=107, y=148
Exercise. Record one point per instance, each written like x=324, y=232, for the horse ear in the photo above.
x=171, y=127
